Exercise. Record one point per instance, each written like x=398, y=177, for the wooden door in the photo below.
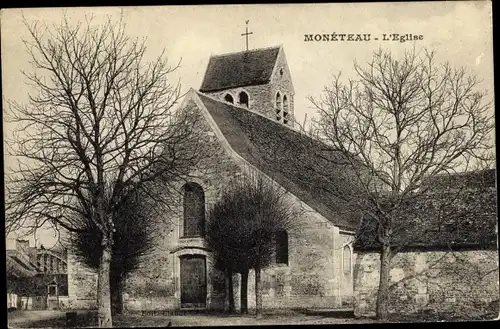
x=193, y=281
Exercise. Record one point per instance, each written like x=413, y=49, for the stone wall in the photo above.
x=82, y=285
x=311, y=278
x=438, y=281
x=259, y=98
x=346, y=268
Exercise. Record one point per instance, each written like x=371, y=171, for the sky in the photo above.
x=459, y=32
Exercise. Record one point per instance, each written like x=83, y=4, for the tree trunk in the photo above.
x=244, y=292
x=227, y=289
x=231, y=294
x=383, y=288
x=258, y=292
x=103, y=288
x=116, y=296
x=229, y=299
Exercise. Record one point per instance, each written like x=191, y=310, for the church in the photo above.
x=246, y=100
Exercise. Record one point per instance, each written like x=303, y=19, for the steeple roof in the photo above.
x=245, y=68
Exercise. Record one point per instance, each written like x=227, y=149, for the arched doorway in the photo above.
x=193, y=277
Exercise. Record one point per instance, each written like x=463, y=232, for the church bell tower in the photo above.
x=257, y=79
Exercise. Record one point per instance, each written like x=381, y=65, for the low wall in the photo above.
x=288, y=291
x=274, y=297
x=441, y=281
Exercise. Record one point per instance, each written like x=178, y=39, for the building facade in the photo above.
x=246, y=100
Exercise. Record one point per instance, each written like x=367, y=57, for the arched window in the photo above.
x=228, y=98
x=281, y=247
x=278, y=106
x=346, y=254
x=285, y=110
x=244, y=99
x=194, y=210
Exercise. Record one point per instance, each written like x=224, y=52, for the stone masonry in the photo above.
x=441, y=281
x=82, y=285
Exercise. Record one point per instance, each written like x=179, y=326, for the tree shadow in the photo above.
x=339, y=314
x=80, y=320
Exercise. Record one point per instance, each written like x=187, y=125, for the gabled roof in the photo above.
x=445, y=218
x=276, y=150
x=246, y=68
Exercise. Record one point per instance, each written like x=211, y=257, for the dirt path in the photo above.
x=54, y=319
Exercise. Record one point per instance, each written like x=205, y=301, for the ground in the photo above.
x=44, y=319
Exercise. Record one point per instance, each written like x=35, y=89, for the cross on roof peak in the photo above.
x=246, y=34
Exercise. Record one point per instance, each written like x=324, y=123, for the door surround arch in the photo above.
x=196, y=252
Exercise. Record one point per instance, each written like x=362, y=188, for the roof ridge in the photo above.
x=245, y=51
x=463, y=173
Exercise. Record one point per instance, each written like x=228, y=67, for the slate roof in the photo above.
x=246, y=68
x=450, y=218
x=19, y=265
x=471, y=179
x=273, y=149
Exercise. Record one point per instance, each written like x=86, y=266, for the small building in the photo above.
x=19, y=269
x=448, y=253
x=30, y=271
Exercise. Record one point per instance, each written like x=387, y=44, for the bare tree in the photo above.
x=406, y=121
x=99, y=126
x=242, y=230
